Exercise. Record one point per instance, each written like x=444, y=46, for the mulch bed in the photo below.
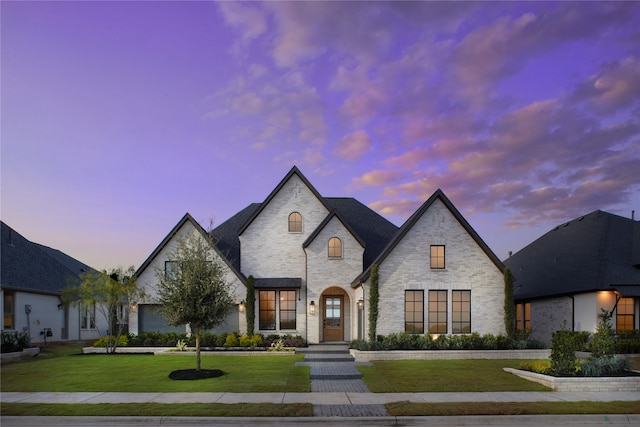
x=192, y=374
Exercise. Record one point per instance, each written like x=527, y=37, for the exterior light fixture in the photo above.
x=312, y=308
x=134, y=307
x=241, y=307
x=360, y=303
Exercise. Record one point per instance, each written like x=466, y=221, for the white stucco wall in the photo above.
x=467, y=268
x=148, y=278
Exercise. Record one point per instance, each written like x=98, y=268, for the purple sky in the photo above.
x=119, y=117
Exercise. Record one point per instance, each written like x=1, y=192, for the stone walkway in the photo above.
x=333, y=369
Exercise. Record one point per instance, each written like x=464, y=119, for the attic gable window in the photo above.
x=170, y=269
x=437, y=257
x=295, y=222
x=335, y=248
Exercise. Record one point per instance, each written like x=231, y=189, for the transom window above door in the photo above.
x=295, y=222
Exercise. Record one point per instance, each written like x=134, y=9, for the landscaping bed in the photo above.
x=367, y=356
x=209, y=351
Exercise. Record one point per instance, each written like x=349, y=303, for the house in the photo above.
x=311, y=258
x=32, y=279
x=566, y=277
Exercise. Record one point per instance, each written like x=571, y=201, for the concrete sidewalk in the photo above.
x=335, y=398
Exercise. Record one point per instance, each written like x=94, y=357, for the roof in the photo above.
x=413, y=219
x=31, y=267
x=226, y=234
x=278, y=282
x=590, y=253
x=186, y=218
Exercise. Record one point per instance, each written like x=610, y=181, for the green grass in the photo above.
x=160, y=410
x=401, y=376
x=511, y=408
x=69, y=371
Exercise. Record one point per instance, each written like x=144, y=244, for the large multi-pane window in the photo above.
x=625, y=315
x=287, y=309
x=437, y=312
x=461, y=312
x=414, y=312
x=88, y=316
x=335, y=248
x=9, y=310
x=267, y=312
x=437, y=257
x=523, y=316
x=295, y=223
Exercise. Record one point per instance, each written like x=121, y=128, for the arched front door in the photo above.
x=333, y=318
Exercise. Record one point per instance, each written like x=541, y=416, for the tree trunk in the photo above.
x=197, y=349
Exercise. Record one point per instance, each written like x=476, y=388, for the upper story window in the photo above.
x=335, y=248
x=437, y=257
x=170, y=269
x=295, y=222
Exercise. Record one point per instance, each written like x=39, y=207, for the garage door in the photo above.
x=150, y=320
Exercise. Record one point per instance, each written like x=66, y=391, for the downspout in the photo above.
x=573, y=313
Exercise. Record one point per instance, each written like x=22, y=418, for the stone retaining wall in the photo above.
x=191, y=352
x=367, y=356
x=602, y=384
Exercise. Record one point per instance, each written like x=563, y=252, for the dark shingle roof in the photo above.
x=226, y=234
x=31, y=267
x=590, y=253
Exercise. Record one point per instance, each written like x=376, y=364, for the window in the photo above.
x=437, y=257
x=335, y=248
x=287, y=309
x=88, y=316
x=9, y=310
x=414, y=312
x=295, y=223
x=523, y=316
x=438, y=312
x=170, y=269
x=461, y=312
x=625, y=315
x=267, y=316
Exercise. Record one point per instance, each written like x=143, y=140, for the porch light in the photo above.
x=360, y=303
x=312, y=308
x=241, y=307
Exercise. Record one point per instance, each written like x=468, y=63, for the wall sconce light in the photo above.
x=134, y=307
x=312, y=308
x=60, y=306
x=241, y=307
x=360, y=303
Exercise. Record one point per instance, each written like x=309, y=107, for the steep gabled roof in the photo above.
x=31, y=267
x=186, y=218
x=413, y=219
x=591, y=253
x=294, y=171
x=319, y=228
x=226, y=234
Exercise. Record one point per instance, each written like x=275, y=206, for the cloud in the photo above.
x=249, y=19
x=353, y=146
x=377, y=178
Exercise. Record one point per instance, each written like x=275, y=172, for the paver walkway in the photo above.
x=333, y=369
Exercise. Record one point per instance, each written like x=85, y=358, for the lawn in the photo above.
x=411, y=376
x=70, y=371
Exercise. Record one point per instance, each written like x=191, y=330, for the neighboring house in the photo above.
x=32, y=279
x=311, y=257
x=564, y=278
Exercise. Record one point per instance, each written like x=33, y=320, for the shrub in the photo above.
x=13, y=341
x=563, y=353
x=603, y=366
x=489, y=342
x=123, y=341
x=231, y=341
x=539, y=367
x=602, y=344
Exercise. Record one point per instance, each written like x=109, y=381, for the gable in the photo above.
x=437, y=199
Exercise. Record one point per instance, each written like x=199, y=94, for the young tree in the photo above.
x=195, y=292
x=509, y=307
x=112, y=294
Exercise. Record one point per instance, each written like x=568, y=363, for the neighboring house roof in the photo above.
x=31, y=267
x=186, y=218
x=413, y=219
x=591, y=253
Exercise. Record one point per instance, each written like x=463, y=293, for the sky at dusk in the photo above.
x=117, y=118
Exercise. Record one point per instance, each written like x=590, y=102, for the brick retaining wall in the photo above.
x=602, y=384
x=367, y=356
